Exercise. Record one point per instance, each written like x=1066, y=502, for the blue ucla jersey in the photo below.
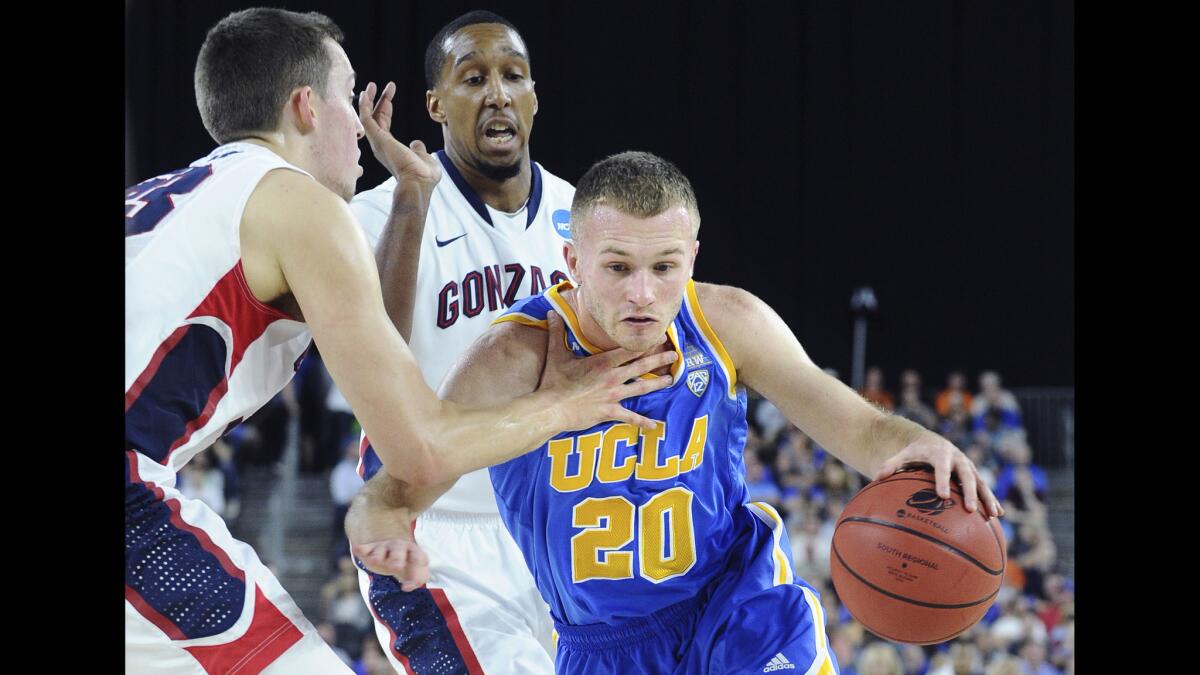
x=616, y=522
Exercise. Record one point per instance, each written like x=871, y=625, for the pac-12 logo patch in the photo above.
x=697, y=381
x=562, y=223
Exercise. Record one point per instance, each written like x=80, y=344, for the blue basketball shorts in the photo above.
x=755, y=617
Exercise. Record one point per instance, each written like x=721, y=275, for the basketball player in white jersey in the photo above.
x=233, y=266
x=494, y=234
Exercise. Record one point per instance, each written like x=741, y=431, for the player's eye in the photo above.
x=617, y=267
x=474, y=79
x=515, y=77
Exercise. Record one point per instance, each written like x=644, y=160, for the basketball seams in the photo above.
x=894, y=596
x=962, y=554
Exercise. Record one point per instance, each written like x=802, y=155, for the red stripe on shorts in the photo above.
x=270, y=634
x=152, y=615
x=456, y=631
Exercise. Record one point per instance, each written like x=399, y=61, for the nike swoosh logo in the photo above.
x=441, y=243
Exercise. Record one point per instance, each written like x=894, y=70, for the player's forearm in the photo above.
x=461, y=439
x=398, y=253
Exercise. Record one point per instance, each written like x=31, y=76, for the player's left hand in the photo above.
x=400, y=557
x=383, y=540
x=410, y=164
x=945, y=459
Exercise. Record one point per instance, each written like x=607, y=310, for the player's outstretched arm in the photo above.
x=301, y=238
x=770, y=360
x=504, y=363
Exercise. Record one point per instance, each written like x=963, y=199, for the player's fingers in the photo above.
x=411, y=567
x=640, y=386
x=418, y=147
x=369, y=555
x=366, y=99
x=989, y=499
x=389, y=90
x=941, y=476
x=646, y=364
x=966, y=477
x=616, y=412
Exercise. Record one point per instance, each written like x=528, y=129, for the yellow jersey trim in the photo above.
x=710, y=336
x=523, y=319
x=560, y=304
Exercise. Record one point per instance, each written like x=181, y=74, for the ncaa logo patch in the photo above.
x=562, y=223
x=697, y=381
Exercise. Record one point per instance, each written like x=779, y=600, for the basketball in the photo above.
x=913, y=567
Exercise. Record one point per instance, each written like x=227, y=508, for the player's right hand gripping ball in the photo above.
x=913, y=567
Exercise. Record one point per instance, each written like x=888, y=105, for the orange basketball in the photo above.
x=912, y=567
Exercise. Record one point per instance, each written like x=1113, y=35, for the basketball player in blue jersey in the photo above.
x=493, y=236
x=233, y=266
x=643, y=542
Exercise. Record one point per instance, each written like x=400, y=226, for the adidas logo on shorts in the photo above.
x=780, y=662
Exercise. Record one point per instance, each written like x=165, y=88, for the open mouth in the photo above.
x=639, y=321
x=500, y=132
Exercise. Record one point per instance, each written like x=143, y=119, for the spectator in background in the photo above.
x=811, y=538
x=963, y=658
x=845, y=640
x=911, y=407
x=372, y=661
x=838, y=484
x=1033, y=659
x=957, y=427
x=873, y=390
x=993, y=428
x=200, y=479
x=913, y=658
x=760, y=484
x=955, y=396
x=1005, y=665
x=880, y=658
x=993, y=397
x=343, y=606
x=1017, y=460
x=312, y=382
x=344, y=483
x=223, y=459
x=769, y=420
x=339, y=423
x=1035, y=553
x=329, y=634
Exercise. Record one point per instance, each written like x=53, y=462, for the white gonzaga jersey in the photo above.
x=475, y=262
x=201, y=352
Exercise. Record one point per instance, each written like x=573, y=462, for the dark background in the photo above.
x=924, y=149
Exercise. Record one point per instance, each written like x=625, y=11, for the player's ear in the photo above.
x=433, y=105
x=535, y=99
x=571, y=257
x=301, y=102
x=695, y=252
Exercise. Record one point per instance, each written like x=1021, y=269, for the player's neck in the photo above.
x=277, y=143
x=592, y=332
x=507, y=195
